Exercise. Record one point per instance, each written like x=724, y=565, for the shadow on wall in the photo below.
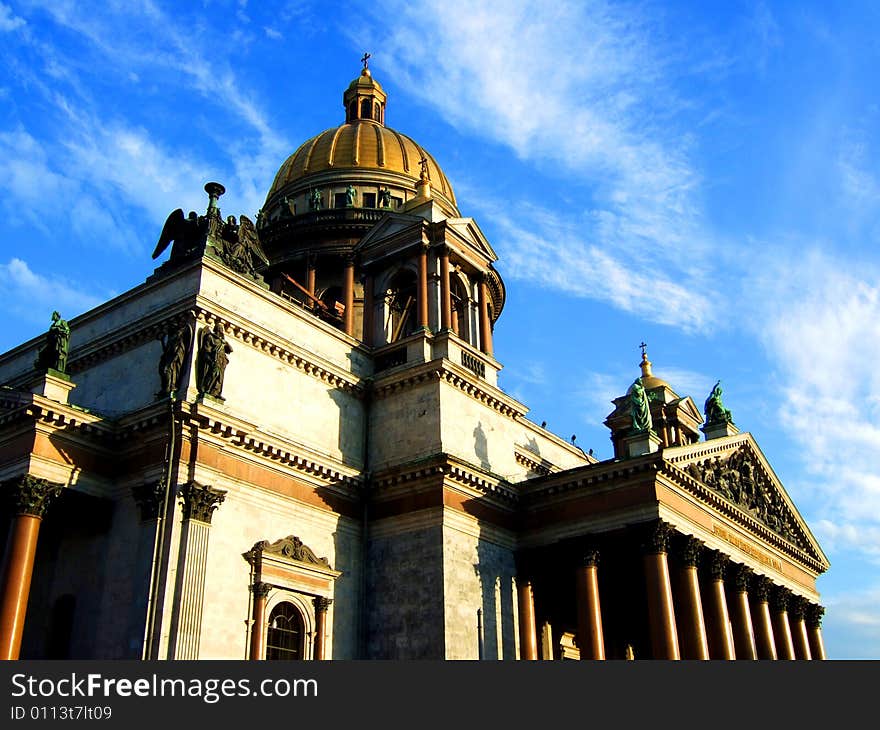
x=481, y=447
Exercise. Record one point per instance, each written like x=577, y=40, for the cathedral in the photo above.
x=289, y=442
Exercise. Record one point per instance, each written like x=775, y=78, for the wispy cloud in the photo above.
x=8, y=20
x=853, y=623
x=581, y=87
x=32, y=296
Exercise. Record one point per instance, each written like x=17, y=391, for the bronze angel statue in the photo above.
x=188, y=235
x=241, y=245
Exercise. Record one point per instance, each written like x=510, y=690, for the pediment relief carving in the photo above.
x=290, y=547
x=740, y=478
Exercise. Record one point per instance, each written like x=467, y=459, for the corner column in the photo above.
x=310, y=277
x=369, y=304
x=258, y=630
x=348, y=295
x=782, y=627
x=741, y=615
x=764, y=639
x=661, y=614
x=799, y=628
x=720, y=635
x=423, y=287
x=321, y=606
x=31, y=498
x=485, y=321
x=445, y=291
x=814, y=626
x=590, y=639
x=691, y=626
x=528, y=630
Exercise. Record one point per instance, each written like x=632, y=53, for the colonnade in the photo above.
x=731, y=613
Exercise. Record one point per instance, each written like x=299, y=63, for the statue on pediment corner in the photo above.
x=714, y=407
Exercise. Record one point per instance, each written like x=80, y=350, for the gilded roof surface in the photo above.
x=361, y=145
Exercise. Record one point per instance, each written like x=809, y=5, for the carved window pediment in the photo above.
x=290, y=563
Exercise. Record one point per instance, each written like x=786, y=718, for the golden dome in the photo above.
x=361, y=145
x=649, y=380
x=362, y=151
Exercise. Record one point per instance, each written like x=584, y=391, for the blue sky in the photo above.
x=703, y=176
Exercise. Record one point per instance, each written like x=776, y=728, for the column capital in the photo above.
x=761, y=588
x=148, y=497
x=742, y=577
x=780, y=599
x=718, y=563
x=689, y=551
x=589, y=558
x=261, y=590
x=200, y=500
x=322, y=603
x=656, y=538
x=31, y=495
x=814, y=615
x=797, y=607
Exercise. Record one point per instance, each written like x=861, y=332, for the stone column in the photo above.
x=590, y=639
x=321, y=606
x=485, y=320
x=764, y=639
x=720, y=635
x=782, y=628
x=661, y=613
x=798, y=609
x=199, y=502
x=691, y=625
x=258, y=629
x=30, y=500
x=814, y=626
x=741, y=615
x=348, y=296
x=528, y=630
x=310, y=277
x=445, y=291
x=423, y=287
x=369, y=314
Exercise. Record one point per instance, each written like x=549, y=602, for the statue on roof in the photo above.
x=188, y=235
x=241, y=246
x=639, y=408
x=53, y=354
x=316, y=200
x=714, y=408
x=350, y=195
x=384, y=198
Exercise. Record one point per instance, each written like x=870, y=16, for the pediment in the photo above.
x=688, y=406
x=391, y=227
x=468, y=230
x=735, y=469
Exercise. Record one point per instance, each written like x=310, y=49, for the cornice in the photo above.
x=449, y=372
x=590, y=475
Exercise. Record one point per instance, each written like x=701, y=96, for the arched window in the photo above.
x=366, y=109
x=460, y=310
x=285, y=638
x=400, y=306
x=352, y=111
x=377, y=112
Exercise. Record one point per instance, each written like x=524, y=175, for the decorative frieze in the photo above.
x=200, y=500
x=740, y=478
x=32, y=496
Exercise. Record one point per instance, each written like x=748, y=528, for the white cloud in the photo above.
x=9, y=21
x=579, y=86
x=273, y=33
x=852, y=623
x=33, y=296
